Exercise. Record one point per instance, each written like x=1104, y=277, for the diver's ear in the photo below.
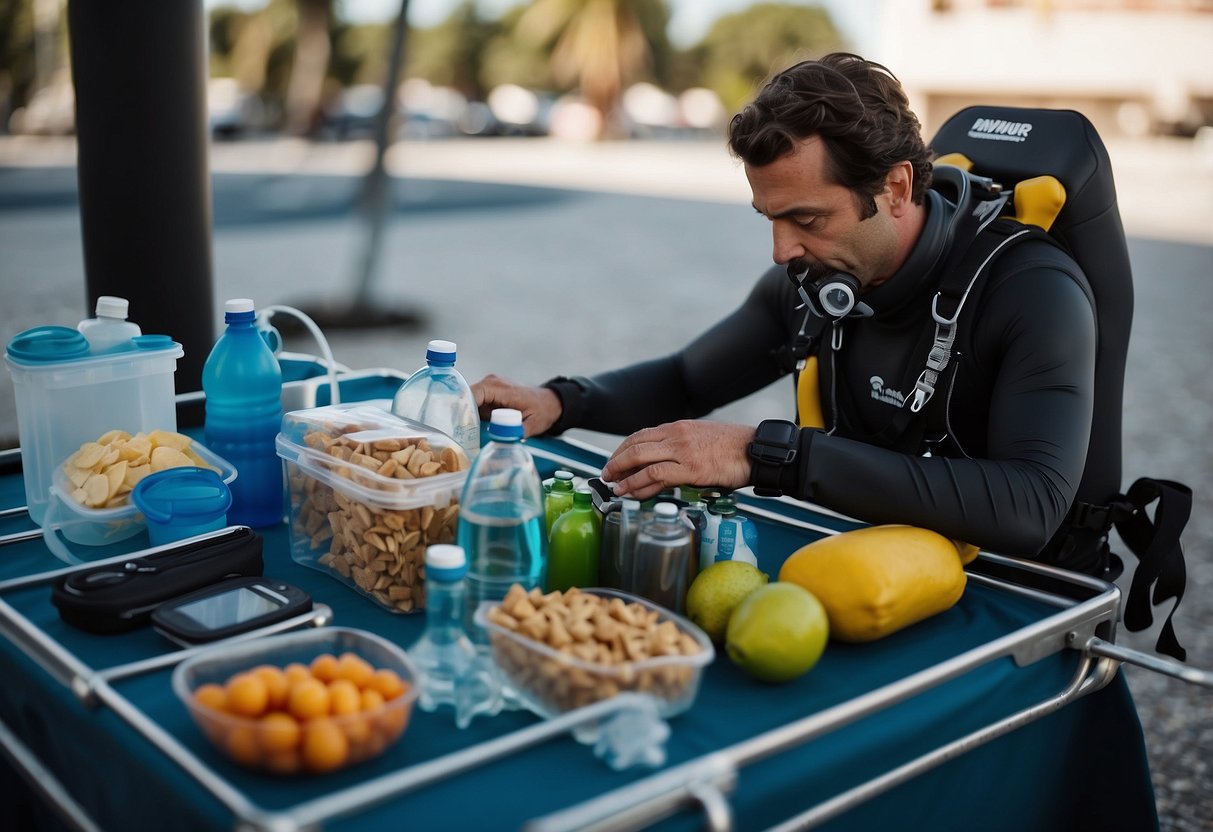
x=899, y=188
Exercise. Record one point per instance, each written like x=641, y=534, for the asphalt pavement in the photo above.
x=539, y=259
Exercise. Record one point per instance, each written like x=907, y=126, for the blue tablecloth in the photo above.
x=1081, y=768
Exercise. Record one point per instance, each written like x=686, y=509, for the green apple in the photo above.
x=778, y=632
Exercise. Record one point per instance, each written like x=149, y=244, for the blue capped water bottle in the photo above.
x=438, y=395
x=243, y=386
x=501, y=520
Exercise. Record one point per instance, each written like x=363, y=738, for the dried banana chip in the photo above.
x=165, y=457
x=168, y=439
x=96, y=491
x=90, y=454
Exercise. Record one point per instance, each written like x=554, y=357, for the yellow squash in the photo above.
x=877, y=580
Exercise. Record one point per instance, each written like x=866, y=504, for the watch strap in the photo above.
x=773, y=451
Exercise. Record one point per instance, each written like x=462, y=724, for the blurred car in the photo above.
x=230, y=111
x=422, y=112
x=352, y=113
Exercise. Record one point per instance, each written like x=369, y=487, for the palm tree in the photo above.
x=599, y=45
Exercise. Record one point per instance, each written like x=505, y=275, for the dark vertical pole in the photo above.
x=139, y=68
x=376, y=194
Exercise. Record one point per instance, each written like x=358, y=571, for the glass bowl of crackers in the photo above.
x=565, y=650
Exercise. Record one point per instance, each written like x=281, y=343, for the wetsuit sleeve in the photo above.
x=1036, y=333
x=727, y=362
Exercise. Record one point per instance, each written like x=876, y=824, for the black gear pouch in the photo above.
x=120, y=596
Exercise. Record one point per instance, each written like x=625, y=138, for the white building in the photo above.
x=1131, y=66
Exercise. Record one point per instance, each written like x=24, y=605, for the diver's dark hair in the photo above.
x=859, y=110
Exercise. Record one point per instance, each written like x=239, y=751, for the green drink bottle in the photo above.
x=575, y=544
x=558, y=499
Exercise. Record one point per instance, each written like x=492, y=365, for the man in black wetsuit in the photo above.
x=836, y=163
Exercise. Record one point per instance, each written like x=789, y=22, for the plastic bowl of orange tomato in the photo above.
x=302, y=703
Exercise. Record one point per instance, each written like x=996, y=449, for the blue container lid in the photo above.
x=47, y=344
x=152, y=342
x=183, y=496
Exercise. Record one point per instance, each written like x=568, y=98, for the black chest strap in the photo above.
x=960, y=283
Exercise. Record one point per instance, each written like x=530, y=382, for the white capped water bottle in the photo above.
x=452, y=672
x=439, y=396
x=501, y=520
x=243, y=386
x=110, y=331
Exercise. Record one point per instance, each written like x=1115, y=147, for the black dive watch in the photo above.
x=775, y=445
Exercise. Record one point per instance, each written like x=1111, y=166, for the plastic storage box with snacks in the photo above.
x=368, y=493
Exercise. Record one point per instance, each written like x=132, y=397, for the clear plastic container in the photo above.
x=550, y=681
x=251, y=743
x=66, y=397
x=368, y=492
x=102, y=526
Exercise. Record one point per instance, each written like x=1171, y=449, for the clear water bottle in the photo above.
x=438, y=396
x=573, y=547
x=501, y=518
x=110, y=331
x=243, y=386
x=558, y=498
x=665, y=561
x=452, y=672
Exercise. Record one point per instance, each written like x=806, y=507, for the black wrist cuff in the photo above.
x=573, y=394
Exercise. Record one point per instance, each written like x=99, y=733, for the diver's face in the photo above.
x=815, y=222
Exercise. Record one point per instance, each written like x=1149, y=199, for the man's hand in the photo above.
x=690, y=452
x=540, y=406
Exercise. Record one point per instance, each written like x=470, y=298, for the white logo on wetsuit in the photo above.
x=884, y=394
x=999, y=130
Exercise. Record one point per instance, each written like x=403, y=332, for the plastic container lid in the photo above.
x=46, y=344
x=665, y=510
x=506, y=423
x=445, y=562
x=152, y=342
x=109, y=306
x=239, y=305
x=442, y=352
x=182, y=496
x=564, y=475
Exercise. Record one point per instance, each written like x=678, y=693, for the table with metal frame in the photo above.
x=1005, y=712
